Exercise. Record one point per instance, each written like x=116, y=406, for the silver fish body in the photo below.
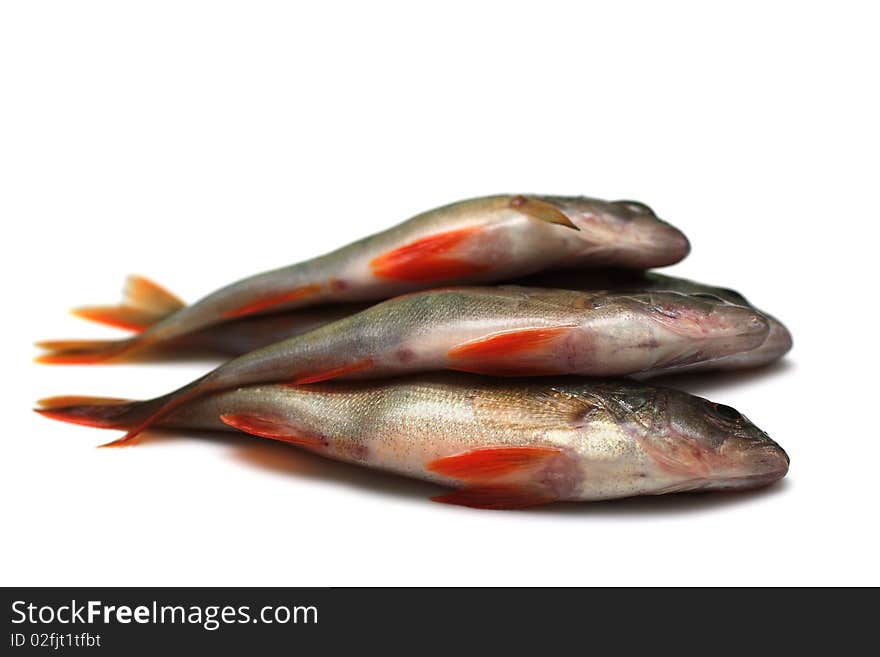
x=509, y=443
x=237, y=337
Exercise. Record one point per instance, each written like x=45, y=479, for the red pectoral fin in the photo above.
x=491, y=463
x=494, y=497
x=266, y=426
x=429, y=259
x=264, y=303
x=510, y=343
x=511, y=352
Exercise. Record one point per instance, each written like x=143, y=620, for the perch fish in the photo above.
x=498, y=444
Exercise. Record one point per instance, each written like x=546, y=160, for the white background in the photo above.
x=201, y=142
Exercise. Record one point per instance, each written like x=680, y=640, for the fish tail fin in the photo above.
x=123, y=317
x=144, y=304
x=101, y=412
x=150, y=412
x=111, y=413
x=142, y=292
x=84, y=352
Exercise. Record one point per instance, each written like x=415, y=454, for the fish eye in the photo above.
x=726, y=412
x=634, y=402
x=636, y=208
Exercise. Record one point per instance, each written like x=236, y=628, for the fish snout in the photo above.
x=653, y=240
x=725, y=330
x=747, y=327
x=779, y=341
x=775, y=346
x=752, y=464
x=649, y=241
x=762, y=465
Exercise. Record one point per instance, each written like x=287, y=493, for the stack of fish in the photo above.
x=479, y=367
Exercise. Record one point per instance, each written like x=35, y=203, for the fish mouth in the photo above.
x=671, y=242
x=732, y=483
x=738, y=464
x=648, y=233
x=756, y=467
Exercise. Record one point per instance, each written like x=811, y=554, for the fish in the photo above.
x=477, y=241
x=496, y=443
x=237, y=337
x=500, y=331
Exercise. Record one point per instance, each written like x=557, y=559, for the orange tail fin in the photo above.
x=144, y=304
x=152, y=411
x=72, y=352
x=141, y=292
x=124, y=317
x=102, y=412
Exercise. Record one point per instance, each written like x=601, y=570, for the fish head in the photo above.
x=775, y=346
x=696, y=444
x=629, y=232
x=690, y=328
